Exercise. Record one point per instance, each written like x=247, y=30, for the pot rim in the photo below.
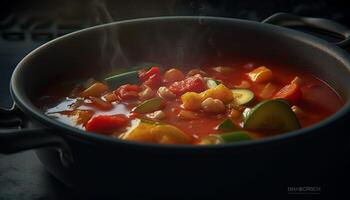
x=23, y=102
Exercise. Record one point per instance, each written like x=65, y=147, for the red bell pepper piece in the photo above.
x=151, y=78
x=126, y=92
x=190, y=84
x=291, y=92
x=105, y=123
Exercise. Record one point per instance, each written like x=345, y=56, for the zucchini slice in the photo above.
x=131, y=77
x=149, y=105
x=242, y=96
x=211, y=83
x=272, y=115
x=230, y=137
x=227, y=125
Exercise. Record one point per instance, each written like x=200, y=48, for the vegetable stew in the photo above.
x=208, y=105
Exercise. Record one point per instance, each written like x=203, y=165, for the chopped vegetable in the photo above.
x=83, y=116
x=110, y=97
x=268, y=91
x=272, y=115
x=94, y=90
x=149, y=105
x=195, y=72
x=100, y=104
x=166, y=93
x=227, y=125
x=126, y=92
x=242, y=96
x=173, y=75
x=190, y=84
x=260, y=75
x=211, y=105
x=157, y=133
x=291, y=92
x=211, y=83
x=234, y=114
x=204, y=106
x=151, y=78
x=297, y=80
x=191, y=100
x=156, y=115
x=122, y=79
x=187, y=115
x=105, y=123
x=222, y=69
x=220, y=92
x=147, y=93
x=226, y=137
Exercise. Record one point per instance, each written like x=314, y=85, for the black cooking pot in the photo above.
x=105, y=165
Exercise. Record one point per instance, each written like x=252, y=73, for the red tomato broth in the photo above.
x=318, y=102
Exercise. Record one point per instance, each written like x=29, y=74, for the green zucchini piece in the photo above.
x=227, y=125
x=131, y=77
x=151, y=122
x=149, y=105
x=272, y=115
x=211, y=83
x=242, y=96
x=231, y=137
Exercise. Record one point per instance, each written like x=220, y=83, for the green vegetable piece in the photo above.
x=272, y=115
x=149, y=105
x=285, y=101
x=131, y=77
x=227, y=125
x=231, y=137
x=151, y=122
x=211, y=83
x=242, y=96
x=235, y=136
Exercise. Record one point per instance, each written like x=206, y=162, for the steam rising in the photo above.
x=111, y=50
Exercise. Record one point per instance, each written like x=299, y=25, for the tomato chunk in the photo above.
x=190, y=84
x=151, y=78
x=291, y=92
x=126, y=92
x=105, y=123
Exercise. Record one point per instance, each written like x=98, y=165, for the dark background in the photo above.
x=24, y=25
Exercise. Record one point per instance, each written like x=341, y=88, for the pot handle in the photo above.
x=326, y=26
x=14, y=138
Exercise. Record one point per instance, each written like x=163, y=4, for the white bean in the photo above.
x=213, y=105
x=166, y=93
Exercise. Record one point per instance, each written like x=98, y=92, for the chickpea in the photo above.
x=173, y=75
x=147, y=93
x=187, y=115
x=159, y=114
x=234, y=114
x=196, y=71
x=166, y=93
x=213, y=105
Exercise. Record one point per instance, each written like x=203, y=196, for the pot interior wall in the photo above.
x=179, y=42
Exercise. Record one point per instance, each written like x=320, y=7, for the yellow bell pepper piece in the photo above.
x=220, y=92
x=261, y=74
x=157, y=133
x=192, y=100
